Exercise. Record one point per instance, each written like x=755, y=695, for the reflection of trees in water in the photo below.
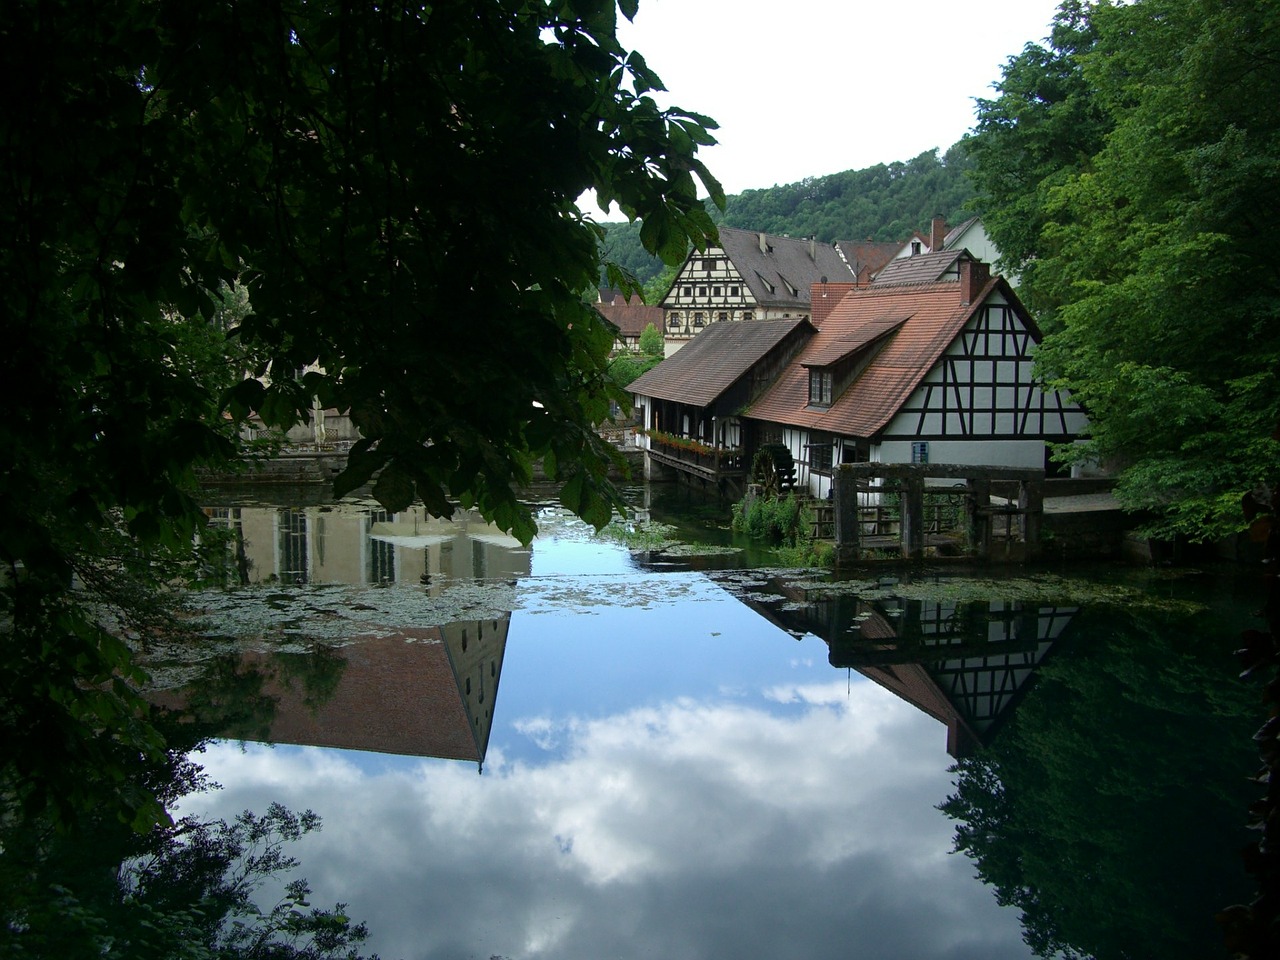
x=1107, y=810
x=237, y=698
x=100, y=888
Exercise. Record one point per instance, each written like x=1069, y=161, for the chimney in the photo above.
x=813, y=249
x=974, y=275
x=938, y=234
x=764, y=244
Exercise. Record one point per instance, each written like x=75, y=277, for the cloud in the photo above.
x=684, y=829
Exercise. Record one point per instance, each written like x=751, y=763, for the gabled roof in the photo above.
x=866, y=258
x=840, y=347
x=922, y=268
x=781, y=274
x=958, y=231
x=935, y=315
x=714, y=360
x=630, y=317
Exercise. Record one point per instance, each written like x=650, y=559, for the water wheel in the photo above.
x=773, y=469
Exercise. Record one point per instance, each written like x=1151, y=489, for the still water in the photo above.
x=579, y=750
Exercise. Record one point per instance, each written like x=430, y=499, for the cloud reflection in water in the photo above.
x=801, y=823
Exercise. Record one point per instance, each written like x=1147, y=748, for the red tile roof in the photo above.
x=920, y=321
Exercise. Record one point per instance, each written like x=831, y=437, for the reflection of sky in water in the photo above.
x=669, y=775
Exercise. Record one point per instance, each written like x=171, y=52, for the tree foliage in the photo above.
x=651, y=342
x=393, y=191
x=1130, y=171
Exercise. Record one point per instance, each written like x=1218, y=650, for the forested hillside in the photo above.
x=1129, y=171
x=884, y=202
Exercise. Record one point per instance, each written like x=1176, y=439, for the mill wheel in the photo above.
x=773, y=469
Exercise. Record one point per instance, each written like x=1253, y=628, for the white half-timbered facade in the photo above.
x=930, y=371
x=750, y=276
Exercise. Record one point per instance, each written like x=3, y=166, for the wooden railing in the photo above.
x=711, y=462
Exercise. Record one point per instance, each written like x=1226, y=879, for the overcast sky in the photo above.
x=806, y=88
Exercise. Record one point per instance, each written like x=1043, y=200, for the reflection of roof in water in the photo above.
x=396, y=694
x=967, y=664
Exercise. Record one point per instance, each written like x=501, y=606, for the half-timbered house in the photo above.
x=749, y=276
x=930, y=363
x=688, y=406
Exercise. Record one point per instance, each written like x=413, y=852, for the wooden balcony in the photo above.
x=709, y=463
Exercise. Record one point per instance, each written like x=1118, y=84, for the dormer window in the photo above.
x=821, y=383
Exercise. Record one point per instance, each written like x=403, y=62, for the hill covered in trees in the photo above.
x=884, y=202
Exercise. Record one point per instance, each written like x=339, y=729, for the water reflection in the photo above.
x=677, y=768
x=357, y=543
x=406, y=687
x=966, y=663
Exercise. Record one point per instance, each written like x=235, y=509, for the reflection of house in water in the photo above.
x=351, y=543
x=966, y=663
x=426, y=692
x=422, y=691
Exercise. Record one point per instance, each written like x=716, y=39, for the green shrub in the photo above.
x=781, y=521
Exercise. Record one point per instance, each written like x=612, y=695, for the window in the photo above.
x=674, y=322
x=920, y=451
x=748, y=315
x=688, y=291
x=820, y=456
x=735, y=291
x=717, y=291
x=702, y=291
x=698, y=320
x=708, y=265
x=820, y=383
x=722, y=316
x=915, y=248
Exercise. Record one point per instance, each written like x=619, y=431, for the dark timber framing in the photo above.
x=970, y=397
x=908, y=479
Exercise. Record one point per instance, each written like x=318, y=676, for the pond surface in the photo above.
x=577, y=751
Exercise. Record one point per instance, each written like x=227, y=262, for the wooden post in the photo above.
x=912, y=517
x=847, y=527
x=978, y=515
x=1031, y=505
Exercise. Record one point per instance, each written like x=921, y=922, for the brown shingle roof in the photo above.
x=866, y=258
x=630, y=317
x=922, y=268
x=957, y=231
x=934, y=317
x=781, y=275
x=714, y=360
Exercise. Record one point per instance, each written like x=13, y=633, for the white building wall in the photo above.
x=988, y=453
